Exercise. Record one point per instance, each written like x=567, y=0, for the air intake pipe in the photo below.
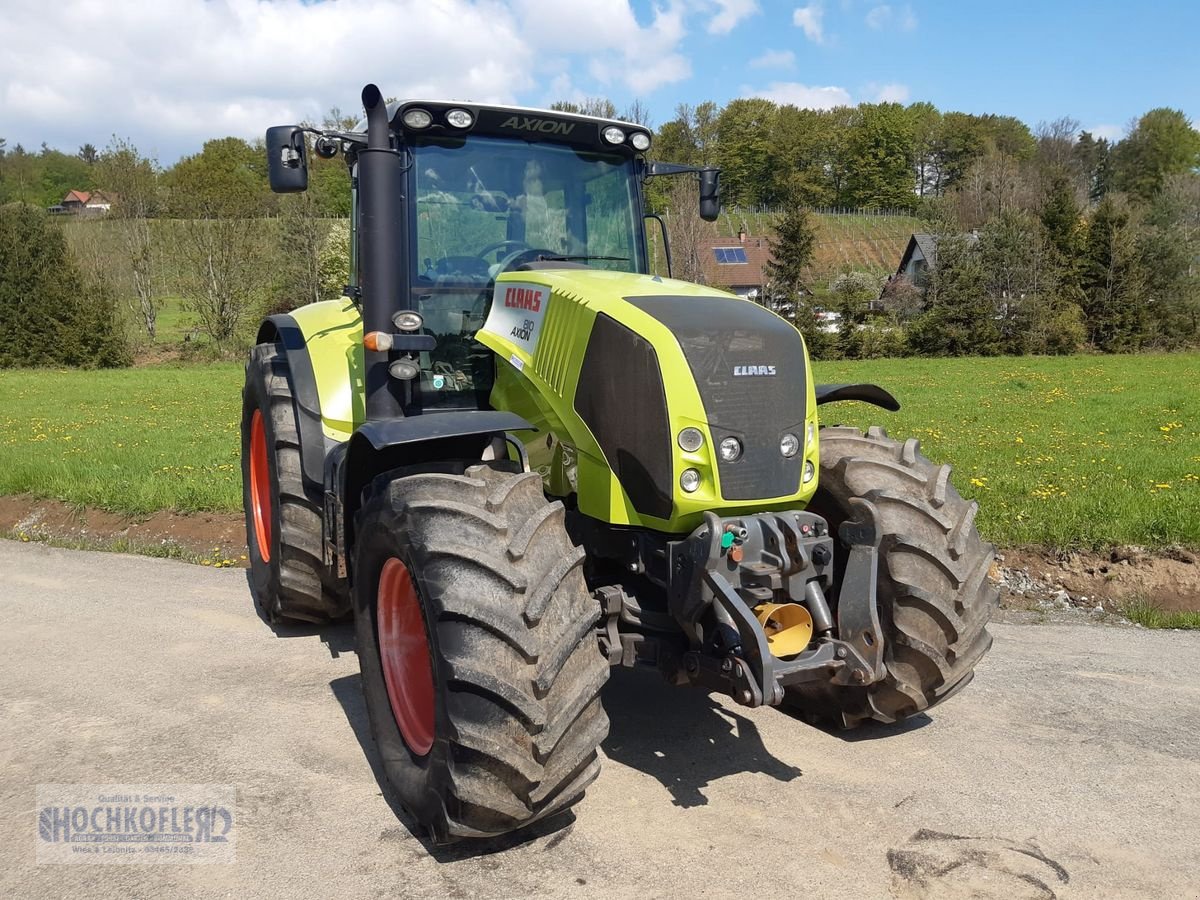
x=381, y=249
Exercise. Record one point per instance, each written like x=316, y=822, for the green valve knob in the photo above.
x=727, y=540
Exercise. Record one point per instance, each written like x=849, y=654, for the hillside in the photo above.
x=844, y=240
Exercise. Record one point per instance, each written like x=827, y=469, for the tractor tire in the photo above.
x=283, y=518
x=934, y=595
x=476, y=640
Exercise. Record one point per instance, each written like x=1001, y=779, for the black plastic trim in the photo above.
x=434, y=426
x=865, y=393
x=622, y=401
x=286, y=331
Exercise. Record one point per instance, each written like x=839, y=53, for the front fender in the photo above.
x=866, y=393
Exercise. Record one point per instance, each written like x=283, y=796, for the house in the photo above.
x=920, y=258
x=737, y=264
x=83, y=203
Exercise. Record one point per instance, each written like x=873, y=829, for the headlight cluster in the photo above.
x=419, y=119
x=639, y=140
x=730, y=450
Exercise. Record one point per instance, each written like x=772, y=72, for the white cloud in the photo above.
x=1108, y=132
x=808, y=19
x=801, y=95
x=886, y=16
x=889, y=93
x=879, y=16
x=774, y=59
x=729, y=14
x=173, y=73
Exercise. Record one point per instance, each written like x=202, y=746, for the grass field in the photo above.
x=1078, y=451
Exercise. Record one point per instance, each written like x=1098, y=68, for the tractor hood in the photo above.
x=613, y=366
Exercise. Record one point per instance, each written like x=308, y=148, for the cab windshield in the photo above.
x=487, y=205
x=483, y=204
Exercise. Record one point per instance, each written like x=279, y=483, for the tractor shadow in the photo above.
x=682, y=737
x=348, y=693
x=337, y=637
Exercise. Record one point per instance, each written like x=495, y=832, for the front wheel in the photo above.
x=933, y=591
x=480, y=665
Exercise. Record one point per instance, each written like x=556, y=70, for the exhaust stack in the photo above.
x=382, y=250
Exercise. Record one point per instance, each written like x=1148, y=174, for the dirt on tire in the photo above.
x=934, y=594
x=517, y=670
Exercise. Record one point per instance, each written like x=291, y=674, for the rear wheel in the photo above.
x=480, y=665
x=283, y=515
x=934, y=595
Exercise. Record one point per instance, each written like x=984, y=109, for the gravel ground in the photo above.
x=1069, y=768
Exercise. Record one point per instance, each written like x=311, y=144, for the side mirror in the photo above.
x=710, y=193
x=287, y=163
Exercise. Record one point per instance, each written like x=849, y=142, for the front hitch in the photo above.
x=781, y=557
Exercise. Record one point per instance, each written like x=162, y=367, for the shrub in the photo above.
x=50, y=314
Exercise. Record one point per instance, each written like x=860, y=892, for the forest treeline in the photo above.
x=1050, y=238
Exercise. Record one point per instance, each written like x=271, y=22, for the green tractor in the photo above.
x=519, y=458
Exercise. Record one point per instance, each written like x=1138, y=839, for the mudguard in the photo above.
x=866, y=393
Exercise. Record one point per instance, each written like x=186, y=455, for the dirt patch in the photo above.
x=1030, y=578
x=1036, y=578
x=209, y=538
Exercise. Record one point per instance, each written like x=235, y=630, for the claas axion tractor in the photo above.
x=519, y=458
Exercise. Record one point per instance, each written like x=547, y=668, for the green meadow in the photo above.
x=1083, y=451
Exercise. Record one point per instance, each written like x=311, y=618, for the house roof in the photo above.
x=927, y=243
x=77, y=197
x=728, y=268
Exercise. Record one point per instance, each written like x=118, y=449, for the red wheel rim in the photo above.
x=260, y=486
x=404, y=653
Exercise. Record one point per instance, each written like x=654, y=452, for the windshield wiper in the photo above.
x=548, y=258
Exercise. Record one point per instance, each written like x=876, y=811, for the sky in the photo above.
x=169, y=74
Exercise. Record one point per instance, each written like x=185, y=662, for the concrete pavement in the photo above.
x=1069, y=768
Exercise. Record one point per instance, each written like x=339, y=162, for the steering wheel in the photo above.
x=497, y=245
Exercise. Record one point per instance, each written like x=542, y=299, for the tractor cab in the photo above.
x=475, y=191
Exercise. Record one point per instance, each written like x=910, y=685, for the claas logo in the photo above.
x=523, y=298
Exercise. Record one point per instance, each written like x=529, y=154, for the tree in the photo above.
x=301, y=237
x=879, y=158
x=685, y=229
x=601, y=107
x=88, y=154
x=745, y=152
x=791, y=254
x=959, y=319
x=132, y=180
x=49, y=313
x=1092, y=157
x=926, y=124
x=638, y=112
x=802, y=140
x=1113, y=278
x=220, y=194
x=1056, y=145
x=56, y=173
x=852, y=294
x=1162, y=143
x=1169, y=248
